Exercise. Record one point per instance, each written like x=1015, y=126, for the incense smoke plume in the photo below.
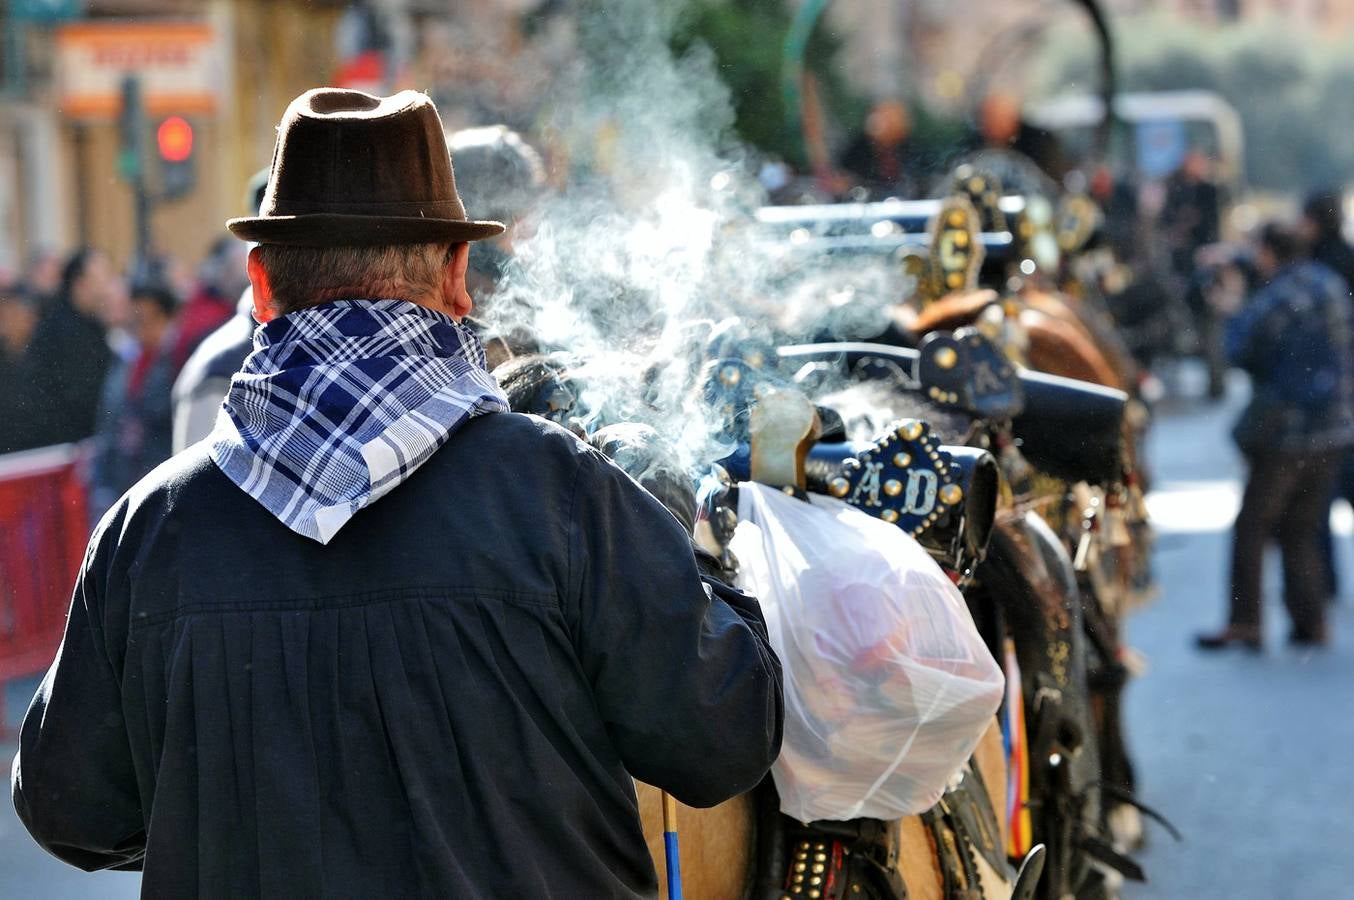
x=649, y=249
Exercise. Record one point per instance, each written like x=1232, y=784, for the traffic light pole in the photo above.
x=132, y=164
x=142, y=212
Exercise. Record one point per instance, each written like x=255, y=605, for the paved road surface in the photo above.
x=1249, y=756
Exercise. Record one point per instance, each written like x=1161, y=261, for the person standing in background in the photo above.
x=18, y=317
x=1294, y=340
x=1322, y=230
x=1191, y=220
x=42, y=277
x=134, y=414
x=68, y=358
x=1001, y=126
x=881, y=159
x=1192, y=214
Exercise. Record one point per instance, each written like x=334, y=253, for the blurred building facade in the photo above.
x=227, y=66
x=1325, y=14
x=948, y=53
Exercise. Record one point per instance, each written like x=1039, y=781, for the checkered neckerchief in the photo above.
x=340, y=403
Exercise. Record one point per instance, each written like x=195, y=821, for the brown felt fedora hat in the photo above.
x=353, y=169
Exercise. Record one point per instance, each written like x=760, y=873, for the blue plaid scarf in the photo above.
x=340, y=403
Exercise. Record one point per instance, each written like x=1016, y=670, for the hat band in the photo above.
x=437, y=209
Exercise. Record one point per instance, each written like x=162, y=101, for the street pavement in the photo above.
x=1248, y=755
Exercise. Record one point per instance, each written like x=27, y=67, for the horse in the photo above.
x=1058, y=340
x=719, y=845
x=738, y=849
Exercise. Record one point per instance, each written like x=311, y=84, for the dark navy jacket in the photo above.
x=1294, y=339
x=134, y=429
x=448, y=700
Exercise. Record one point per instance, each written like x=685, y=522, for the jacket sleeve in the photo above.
x=73, y=781
x=681, y=668
x=1248, y=334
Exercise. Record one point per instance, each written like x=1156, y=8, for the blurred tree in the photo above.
x=747, y=38
x=1294, y=90
x=1335, y=107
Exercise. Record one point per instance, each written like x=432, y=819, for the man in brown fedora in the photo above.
x=444, y=695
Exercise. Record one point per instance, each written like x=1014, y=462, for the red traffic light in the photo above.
x=174, y=138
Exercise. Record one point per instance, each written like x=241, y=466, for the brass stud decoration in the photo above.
x=946, y=358
x=905, y=478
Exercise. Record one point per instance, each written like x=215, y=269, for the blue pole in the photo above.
x=672, y=857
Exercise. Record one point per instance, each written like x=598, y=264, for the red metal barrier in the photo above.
x=44, y=526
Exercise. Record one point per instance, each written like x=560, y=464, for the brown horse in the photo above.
x=718, y=844
x=1060, y=343
x=1064, y=338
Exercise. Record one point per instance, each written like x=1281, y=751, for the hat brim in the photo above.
x=342, y=230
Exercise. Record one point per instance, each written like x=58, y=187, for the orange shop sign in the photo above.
x=178, y=63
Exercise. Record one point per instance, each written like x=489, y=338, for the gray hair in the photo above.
x=306, y=276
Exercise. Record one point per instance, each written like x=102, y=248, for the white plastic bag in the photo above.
x=888, y=685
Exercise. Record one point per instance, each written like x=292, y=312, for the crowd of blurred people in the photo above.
x=887, y=158
x=89, y=352
x=136, y=363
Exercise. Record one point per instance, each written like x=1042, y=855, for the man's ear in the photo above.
x=262, y=290
x=455, y=297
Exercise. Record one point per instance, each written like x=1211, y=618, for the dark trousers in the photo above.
x=1343, y=487
x=1286, y=497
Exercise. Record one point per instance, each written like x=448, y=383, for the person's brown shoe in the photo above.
x=1230, y=636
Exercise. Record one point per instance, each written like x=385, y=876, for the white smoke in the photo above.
x=651, y=243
